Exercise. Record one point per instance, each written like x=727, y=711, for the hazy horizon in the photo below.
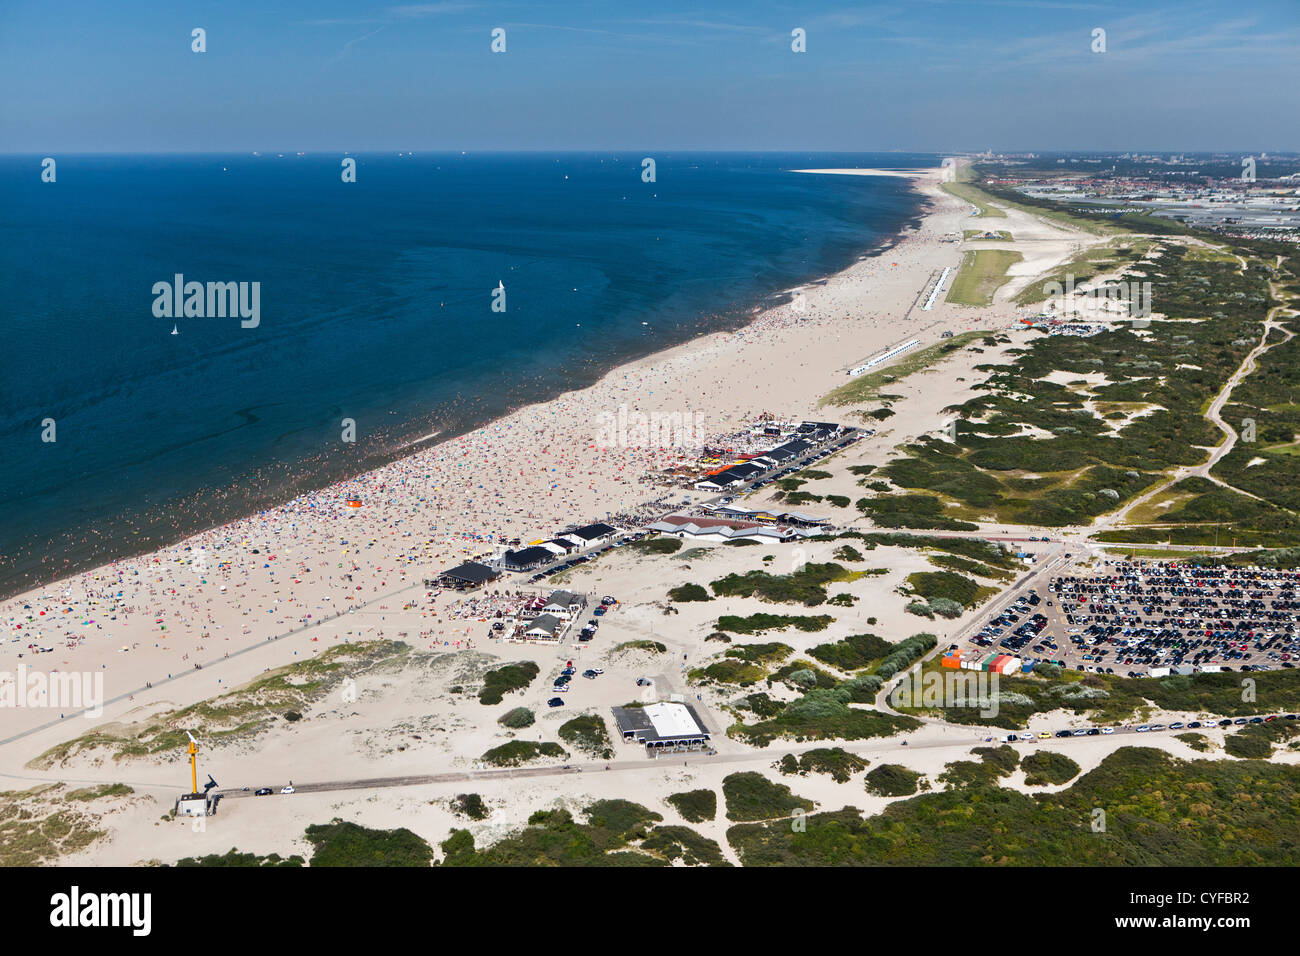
x=925, y=76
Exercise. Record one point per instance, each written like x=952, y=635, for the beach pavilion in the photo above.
x=662, y=727
x=467, y=576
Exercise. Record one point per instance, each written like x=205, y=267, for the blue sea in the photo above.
x=375, y=305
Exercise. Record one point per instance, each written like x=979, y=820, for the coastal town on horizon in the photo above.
x=748, y=505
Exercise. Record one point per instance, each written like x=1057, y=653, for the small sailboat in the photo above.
x=175, y=331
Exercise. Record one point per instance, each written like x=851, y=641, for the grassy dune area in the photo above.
x=866, y=388
x=1160, y=811
x=982, y=273
x=976, y=197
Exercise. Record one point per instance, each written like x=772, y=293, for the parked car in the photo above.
x=264, y=791
x=288, y=789
x=555, y=702
x=643, y=682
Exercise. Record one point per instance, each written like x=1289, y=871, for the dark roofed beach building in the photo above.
x=527, y=559
x=590, y=535
x=466, y=576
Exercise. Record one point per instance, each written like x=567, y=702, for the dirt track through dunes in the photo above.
x=1214, y=415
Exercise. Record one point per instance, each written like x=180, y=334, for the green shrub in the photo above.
x=1247, y=746
x=751, y=796
x=695, y=806
x=755, y=623
x=946, y=584
x=892, y=780
x=837, y=762
x=1047, y=768
x=518, y=718
x=689, y=592
x=805, y=586
x=946, y=608
x=587, y=733
x=853, y=652
x=650, y=647
x=470, y=805
x=518, y=752
x=340, y=843
x=505, y=680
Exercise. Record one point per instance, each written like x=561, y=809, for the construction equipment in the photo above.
x=194, y=803
x=194, y=767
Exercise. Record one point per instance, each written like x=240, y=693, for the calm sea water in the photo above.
x=375, y=305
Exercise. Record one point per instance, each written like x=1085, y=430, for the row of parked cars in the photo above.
x=566, y=675
x=1023, y=632
x=580, y=559
x=588, y=632
x=1149, y=728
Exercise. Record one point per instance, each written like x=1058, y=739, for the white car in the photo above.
x=288, y=789
x=1108, y=730
x=1026, y=736
x=1143, y=729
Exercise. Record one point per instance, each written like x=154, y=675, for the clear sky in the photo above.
x=923, y=75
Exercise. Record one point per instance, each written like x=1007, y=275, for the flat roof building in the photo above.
x=662, y=726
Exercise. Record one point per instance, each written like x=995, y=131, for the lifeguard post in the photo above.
x=195, y=804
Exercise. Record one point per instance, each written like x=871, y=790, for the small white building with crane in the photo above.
x=194, y=803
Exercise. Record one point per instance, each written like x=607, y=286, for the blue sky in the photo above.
x=923, y=75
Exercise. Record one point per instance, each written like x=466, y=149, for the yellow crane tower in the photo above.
x=193, y=751
x=195, y=804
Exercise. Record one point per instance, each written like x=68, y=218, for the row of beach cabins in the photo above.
x=801, y=439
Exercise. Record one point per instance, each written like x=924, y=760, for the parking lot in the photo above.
x=1145, y=615
x=563, y=682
